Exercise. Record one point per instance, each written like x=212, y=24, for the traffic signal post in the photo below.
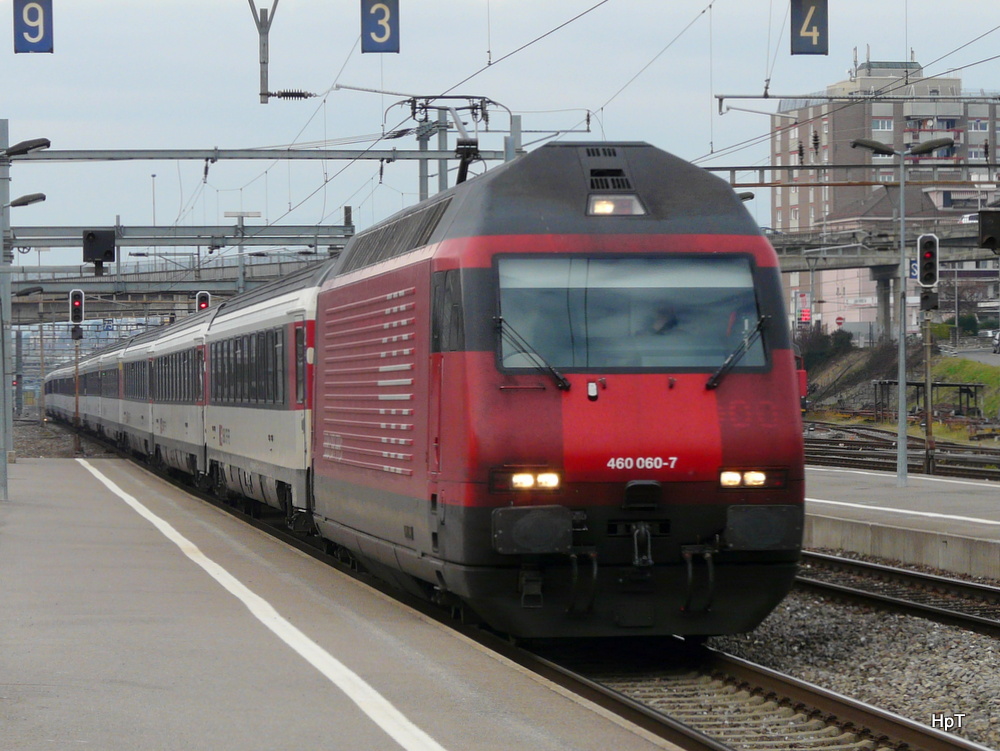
x=928, y=274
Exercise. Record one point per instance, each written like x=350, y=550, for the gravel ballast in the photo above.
x=921, y=670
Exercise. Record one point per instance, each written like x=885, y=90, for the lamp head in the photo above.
x=26, y=147
x=876, y=146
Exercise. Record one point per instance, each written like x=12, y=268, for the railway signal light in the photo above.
x=203, y=300
x=928, y=300
x=927, y=260
x=76, y=299
x=989, y=230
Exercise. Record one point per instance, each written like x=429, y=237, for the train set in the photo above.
x=561, y=394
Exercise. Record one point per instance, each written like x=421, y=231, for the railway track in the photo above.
x=954, y=602
x=875, y=449
x=703, y=699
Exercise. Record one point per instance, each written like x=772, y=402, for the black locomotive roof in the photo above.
x=546, y=191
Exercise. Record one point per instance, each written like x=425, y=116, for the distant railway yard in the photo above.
x=867, y=447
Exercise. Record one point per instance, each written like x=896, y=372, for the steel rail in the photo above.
x=922, y=583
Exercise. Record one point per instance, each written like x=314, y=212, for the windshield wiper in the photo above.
x=748, y=340
x=522, y=346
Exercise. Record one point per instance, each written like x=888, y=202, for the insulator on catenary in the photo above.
x=290, y=94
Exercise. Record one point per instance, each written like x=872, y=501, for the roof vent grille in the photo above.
x=609, y=179
x=596, y=151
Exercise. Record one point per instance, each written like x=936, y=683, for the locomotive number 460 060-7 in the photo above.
x=642, y=462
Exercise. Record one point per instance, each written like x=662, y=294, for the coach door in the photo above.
x=300, y=382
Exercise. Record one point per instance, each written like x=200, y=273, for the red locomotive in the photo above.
x=564, y=393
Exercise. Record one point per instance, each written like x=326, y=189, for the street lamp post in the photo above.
x=885, y=150
x=6, y=259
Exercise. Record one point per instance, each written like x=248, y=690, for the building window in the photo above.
x=979, y=124
x=882, y=123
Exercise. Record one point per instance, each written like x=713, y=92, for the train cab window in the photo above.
x=676, y=312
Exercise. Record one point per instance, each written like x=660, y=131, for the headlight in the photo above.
x=615, y=204
x=522, y=481
x=752, y=478
x=506, y=479
x=548, y=480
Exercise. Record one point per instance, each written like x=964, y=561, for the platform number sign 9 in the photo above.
x=33, y=26
x=380, y=25
x=810, y=32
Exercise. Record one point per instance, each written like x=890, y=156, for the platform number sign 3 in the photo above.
x=33, y=26
x=380, y=25
x=810, y=32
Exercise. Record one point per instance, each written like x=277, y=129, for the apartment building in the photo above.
x=816, y=132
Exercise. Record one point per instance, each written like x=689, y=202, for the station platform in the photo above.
x=136, y=617
x=946, y=523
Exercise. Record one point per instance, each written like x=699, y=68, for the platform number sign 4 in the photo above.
x=33, y=26
x=380, y=25
x=810, y=32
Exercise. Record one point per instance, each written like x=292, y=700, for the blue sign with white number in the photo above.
x=33, y=26
x=810, y=27
x=380, y=25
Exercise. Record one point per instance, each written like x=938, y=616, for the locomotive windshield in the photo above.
x=675, y=312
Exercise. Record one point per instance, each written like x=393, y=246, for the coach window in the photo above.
x=230, y=382
x=279, y=366
x=238, y=380
x=216, y=362
x=199, y=375
x=213, y=366
x=300, y=365
x=219, y=387
x=245, y=369
x=251, y=368
x=227, y=370
x=261, y=368
x=218, y=378
x=269, y=366
x=262, y=357
x=232, y=387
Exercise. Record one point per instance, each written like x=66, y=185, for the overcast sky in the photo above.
x=165, y=74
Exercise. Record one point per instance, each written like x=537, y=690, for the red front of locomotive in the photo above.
x=617, y=448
